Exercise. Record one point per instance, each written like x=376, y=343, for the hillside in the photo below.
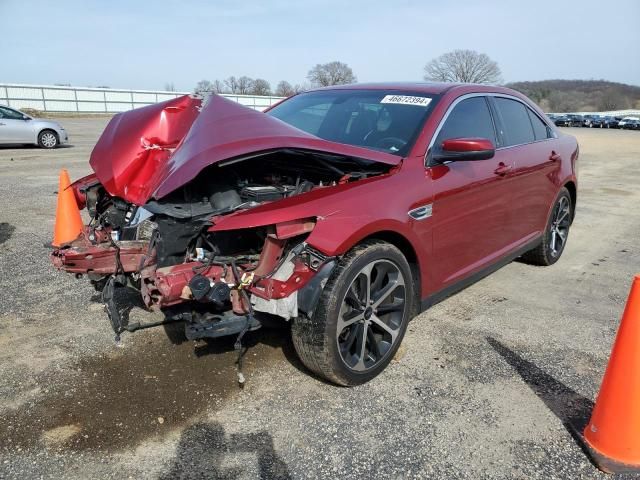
x=580, y=95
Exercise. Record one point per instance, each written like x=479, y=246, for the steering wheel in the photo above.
x=388, y=143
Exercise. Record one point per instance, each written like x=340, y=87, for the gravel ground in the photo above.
x=486, y=385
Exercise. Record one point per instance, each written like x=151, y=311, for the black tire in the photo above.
x=48, y=139
x=549, y=252
x=317, y=341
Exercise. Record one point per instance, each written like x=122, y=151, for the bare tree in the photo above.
x=245, y=84
x=203, y=87
x=332, y=73
x=560, y=101
x=465, y=66
x=218, y=86
x=169, y=87
x=232, y=84
x=299, y=88
x=284, y=89
x=261, y=87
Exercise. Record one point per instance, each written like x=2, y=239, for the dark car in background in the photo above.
x=592, y=121
x=575, y=120
x=610, y=122
x=567, y=120
x=561, y=120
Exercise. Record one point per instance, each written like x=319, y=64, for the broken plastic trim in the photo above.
x=309, y=295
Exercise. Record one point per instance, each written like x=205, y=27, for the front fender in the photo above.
x=337, y=234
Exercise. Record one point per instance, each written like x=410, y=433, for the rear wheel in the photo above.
x=556, y=233
x=361, y=317
x=48, y=139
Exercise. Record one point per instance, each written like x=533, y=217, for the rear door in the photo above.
x=532, y=147
x=471, y=198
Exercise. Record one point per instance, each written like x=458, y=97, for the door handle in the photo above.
x=1, y=124
x=554, y=157
x=502, y=169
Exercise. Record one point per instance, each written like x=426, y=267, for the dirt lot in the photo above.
x=484, y=387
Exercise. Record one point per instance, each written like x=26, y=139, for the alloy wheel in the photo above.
x=48, y=140
x=560, y=226
x=371, y=315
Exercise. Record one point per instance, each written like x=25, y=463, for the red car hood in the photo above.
x=151, y=151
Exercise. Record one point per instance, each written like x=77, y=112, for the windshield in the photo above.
x=375, y=119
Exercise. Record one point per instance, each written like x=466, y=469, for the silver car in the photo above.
x=18, y=127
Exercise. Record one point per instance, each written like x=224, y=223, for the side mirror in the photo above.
x=464, y=150
x=26, y=117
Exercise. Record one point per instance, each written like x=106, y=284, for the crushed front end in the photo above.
x=207, y=210
x=218, y=282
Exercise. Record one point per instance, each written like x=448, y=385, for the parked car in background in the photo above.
x=592, y=121
x=345, y=211
x=575, y=120
x=629, y=123
x=610, y=122
x=17, y=127
x=562, y=121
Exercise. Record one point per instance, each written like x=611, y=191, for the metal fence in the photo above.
x=50, y=98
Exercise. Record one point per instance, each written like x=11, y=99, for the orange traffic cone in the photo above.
x=68, y=222
x=613, y=433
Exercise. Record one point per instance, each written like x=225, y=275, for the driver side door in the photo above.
x=471, y=198
x=13, y=127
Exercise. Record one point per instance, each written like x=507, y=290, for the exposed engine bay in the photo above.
x=176, y=252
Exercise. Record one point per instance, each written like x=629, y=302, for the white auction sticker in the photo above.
x=406, y=100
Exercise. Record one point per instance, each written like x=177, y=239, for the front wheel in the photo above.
x=361, y=317
x=47, y=139
x=556, y=234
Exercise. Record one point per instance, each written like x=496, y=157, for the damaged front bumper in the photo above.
x=213, y=297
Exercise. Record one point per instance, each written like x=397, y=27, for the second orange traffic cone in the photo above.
x=613, y=433
x=68, y=221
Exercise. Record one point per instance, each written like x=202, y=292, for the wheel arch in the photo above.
x=407, y=249
x=46, y=129
x=573, y=192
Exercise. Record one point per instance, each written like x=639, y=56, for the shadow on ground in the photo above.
x=6, y=231
x=31, y=146
x=571, y=408
x=205, y=451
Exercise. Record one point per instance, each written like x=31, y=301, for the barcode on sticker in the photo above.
x=406, y=100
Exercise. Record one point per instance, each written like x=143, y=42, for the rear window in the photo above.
x=376, y=119
x=515, y=120
x=540, y=129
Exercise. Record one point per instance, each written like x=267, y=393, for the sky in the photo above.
x=147, y=44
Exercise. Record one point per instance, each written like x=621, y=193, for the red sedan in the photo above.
x=345, y=211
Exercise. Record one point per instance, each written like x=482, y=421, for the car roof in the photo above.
x=433, y=88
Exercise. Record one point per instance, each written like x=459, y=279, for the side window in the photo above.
x=470, y=118
x=516, y=121
x=10, y=114
x=540, y=129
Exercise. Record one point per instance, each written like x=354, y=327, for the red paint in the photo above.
x=467, y=145
x=82, y=257
x=481, y=210
x=131, y=157
x=151, y=151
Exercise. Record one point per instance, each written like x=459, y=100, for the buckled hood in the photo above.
x=152, y=151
